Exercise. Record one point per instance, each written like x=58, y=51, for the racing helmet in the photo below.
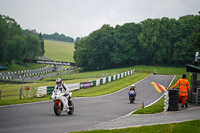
x=132, y=86
x=58, y=81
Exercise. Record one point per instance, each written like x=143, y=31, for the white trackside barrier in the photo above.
x=109, y=79
x=42, y=91
x=97, y=82
x=104, y=80
x=73, y=87
x=118, y=76
x=166, y=102
x=76, y=86
x=122, y=75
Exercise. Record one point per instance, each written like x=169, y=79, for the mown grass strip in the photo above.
x=182, y=127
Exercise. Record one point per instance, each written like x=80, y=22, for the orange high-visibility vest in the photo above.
x=184, y=86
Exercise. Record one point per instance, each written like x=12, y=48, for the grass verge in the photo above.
x=182, y=127
x=155, y=108
x=22, y=101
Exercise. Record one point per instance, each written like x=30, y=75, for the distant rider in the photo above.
x=64, y=89
x=132, y=88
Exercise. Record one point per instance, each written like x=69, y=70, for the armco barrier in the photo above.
x=48, y=90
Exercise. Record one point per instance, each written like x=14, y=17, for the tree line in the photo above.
x=58, y=37
x=165, y=41
x=16, y=44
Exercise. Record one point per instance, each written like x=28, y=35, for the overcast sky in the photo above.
x=78, y=18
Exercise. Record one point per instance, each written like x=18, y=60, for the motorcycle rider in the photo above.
x=132, y=88
x=64, y=89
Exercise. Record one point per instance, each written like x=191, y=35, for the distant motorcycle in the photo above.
x=132, y=95
x=59, y=105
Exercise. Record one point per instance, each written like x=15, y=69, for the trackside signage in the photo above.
x=86, y=84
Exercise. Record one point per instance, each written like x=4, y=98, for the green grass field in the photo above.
x=182, y=127
x=59, y=51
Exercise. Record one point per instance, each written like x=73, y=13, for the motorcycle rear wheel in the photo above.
x=131, y=98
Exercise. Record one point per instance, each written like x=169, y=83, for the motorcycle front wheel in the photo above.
x=57, y=110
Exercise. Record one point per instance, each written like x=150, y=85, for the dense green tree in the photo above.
x=81, y=52
x=149, y=39
x=93, y=52
x=14, y=50
x=78, y=39
x=8, y=30
x=185, y=45
x=42, y=44
x=126, y=50
x=154, y=41
x=166, y=40
x=58, y=37
x=32, y=47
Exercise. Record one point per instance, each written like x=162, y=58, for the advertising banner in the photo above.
x=86, y=85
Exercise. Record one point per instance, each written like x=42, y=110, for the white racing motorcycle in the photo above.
x=58, y=99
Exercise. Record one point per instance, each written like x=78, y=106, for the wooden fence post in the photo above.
x=20, y=95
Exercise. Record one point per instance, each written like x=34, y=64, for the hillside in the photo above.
x=59, y=51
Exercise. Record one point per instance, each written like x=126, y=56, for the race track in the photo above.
x=40, y=118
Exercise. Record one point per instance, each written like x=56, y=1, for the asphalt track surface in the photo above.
x=40, y=118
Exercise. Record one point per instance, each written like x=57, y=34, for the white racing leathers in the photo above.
x=64, y=89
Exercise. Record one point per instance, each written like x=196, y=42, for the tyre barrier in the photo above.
x=173, y=100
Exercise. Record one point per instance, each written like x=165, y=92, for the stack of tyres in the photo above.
x=173, y=100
